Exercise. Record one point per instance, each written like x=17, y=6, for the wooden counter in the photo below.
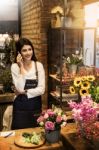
x=9, y=141
x=73, y=142
x=69, y=140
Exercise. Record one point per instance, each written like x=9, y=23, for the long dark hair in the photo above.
x=20, y=43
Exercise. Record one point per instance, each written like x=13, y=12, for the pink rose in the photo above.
x=40, y=119
x=46, y=116
x=49, y=125
x=50, y=112
x=59, y=119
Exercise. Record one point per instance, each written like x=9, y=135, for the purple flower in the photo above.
x=49, y=125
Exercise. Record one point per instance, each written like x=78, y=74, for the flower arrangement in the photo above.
x=74, y=59
x=52, y=119
x=82, y=85
x=86, y=116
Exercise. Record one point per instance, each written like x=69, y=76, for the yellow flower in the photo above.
x=84, y=78
x=72, y=90
x=84, y=92
x=85, y=85
x=77, y=82
x=90, y=78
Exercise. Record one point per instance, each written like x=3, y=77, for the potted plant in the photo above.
x=52, y=120
x=72, y=62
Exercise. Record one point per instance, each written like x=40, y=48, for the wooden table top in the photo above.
x=72, y=141
x=69, y=140
x=8, y=143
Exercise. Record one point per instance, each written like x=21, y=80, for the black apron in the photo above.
x=26, y=110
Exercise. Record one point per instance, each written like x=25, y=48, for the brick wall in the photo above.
x=35, y=20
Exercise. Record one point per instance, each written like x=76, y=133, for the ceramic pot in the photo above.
x=52, y=136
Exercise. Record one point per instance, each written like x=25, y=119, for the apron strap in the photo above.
x=36, y=71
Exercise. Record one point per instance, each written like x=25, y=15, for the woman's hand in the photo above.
x=20, y=63
x=19, y=60
x=17, y=92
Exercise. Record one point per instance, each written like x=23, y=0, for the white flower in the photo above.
x=41, y=124
x=68, y=59
x=63, y=124
x=64, y=117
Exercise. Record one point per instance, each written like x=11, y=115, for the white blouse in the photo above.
x=19, y=79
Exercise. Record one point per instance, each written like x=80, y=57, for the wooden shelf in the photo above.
x=65, y=97
x=54, y=77
x=7, y=97
x=67, y=79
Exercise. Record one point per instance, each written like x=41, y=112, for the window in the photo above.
x=9, y=16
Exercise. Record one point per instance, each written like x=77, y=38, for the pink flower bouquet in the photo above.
x=52, y=119
x=86, y=117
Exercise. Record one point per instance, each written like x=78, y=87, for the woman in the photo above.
x=29, y=80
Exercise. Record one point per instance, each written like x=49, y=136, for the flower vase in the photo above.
x=81, y=129
x=52, y=136
x=66, y=21
x=96, y=143
x=73, y=69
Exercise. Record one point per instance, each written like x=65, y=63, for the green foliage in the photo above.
x=6, y=80
x=9, y=58
x=10, y=51
x=94, y=91
x=95, y=94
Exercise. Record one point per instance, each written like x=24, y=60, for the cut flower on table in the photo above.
x=52, y=119
x=86, y=116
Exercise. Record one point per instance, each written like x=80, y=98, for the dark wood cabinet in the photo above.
x=62, y=42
